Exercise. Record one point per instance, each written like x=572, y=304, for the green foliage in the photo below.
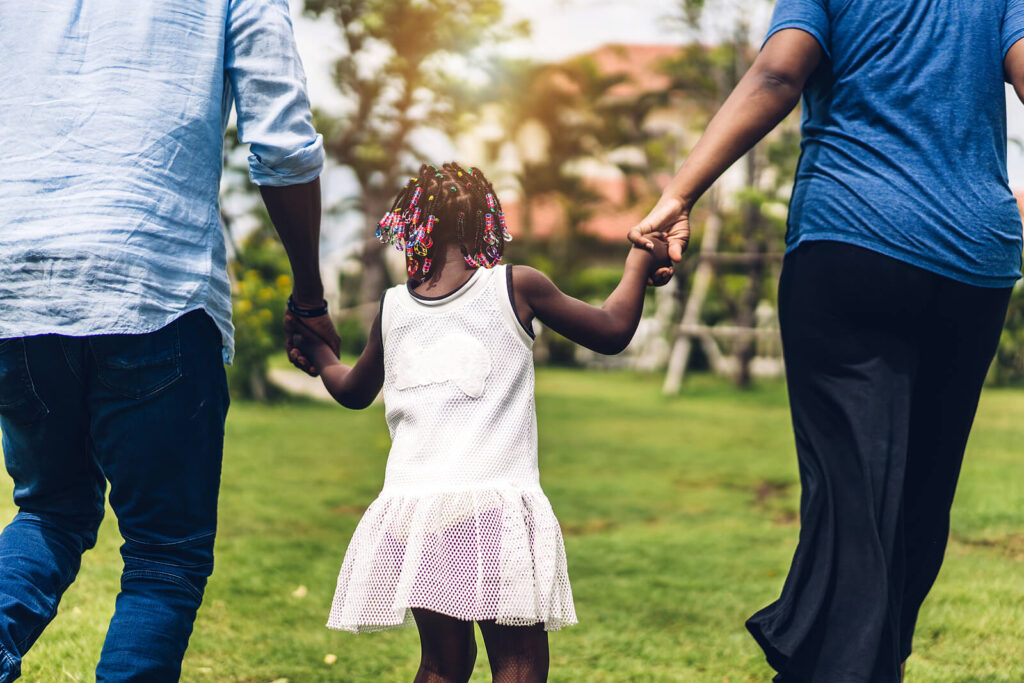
x=259, y=297
x=404, y=70
x=678, y=517
x=594, y=283
x=353, y=335
x=1008, y=367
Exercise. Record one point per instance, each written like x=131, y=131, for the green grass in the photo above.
x=679, y=519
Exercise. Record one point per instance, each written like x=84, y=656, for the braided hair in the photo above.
x=445, y=204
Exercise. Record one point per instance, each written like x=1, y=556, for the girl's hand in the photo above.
x=671, y=217
x=660, y=270
x=320, y=327
x=312, y=348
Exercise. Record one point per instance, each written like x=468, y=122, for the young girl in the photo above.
x=462, y=531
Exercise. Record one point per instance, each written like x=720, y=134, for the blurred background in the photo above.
x=579, y=111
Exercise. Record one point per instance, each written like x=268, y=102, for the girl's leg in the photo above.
x=447, y=648
x=518, y=654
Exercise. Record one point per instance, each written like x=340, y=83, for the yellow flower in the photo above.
x=243, y=306
x=265, y=315
x=284, y=282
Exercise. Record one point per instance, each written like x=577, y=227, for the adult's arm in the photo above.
x=287, y=155
x=765, y=95
x=1013, y=45
x=1014, y=68
x=295, y=212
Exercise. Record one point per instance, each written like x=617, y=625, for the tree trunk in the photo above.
x=746, y=347
x=679, y=358
x=375, y=278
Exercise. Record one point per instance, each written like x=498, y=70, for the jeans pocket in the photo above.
x=138, y=365
x=19, y=401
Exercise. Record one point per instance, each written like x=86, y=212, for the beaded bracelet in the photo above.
x=307, y=312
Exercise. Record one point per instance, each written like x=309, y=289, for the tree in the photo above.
x=404, y=70
x=563, y=108
x=707, y=75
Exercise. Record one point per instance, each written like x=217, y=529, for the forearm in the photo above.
x=338, y=380
x=608, y=329
x=295, y=212
x=353, y=387
x=625, y=305
x=760, y=102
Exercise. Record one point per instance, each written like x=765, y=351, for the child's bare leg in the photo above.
x=447, y=647
x=518, y=654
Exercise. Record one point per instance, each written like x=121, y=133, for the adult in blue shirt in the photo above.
x=904, y=241
x=115, y=306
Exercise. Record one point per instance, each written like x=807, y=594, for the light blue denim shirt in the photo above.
x=111, y=134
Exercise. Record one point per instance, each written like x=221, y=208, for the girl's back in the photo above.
x=458, y=389
x=461, y=531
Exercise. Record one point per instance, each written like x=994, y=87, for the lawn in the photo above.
x=679, y=518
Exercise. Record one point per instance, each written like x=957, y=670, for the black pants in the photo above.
x=885, y=364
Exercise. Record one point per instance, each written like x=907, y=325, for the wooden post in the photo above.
x=683, y=345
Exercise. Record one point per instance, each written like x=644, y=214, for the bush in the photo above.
x=259, y=307
x=1008, y=367
x=353, y=335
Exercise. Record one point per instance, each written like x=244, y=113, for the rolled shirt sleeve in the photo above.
x=807, y=15
x=269, y=88
x=1013, y=24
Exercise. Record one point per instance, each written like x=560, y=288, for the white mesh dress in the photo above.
x=461, y=526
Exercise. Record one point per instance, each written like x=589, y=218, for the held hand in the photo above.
x=312, y=348
x=671, y=217
x=320, y=328
x=661, y=270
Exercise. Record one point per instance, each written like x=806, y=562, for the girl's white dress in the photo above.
x=461, y=526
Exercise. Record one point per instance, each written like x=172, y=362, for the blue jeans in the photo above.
x=146, y=413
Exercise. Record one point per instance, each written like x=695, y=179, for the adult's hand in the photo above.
x=319, y=327
x=763, y=97
x=670, y=219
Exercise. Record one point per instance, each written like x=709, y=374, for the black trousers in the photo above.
x=885, y=364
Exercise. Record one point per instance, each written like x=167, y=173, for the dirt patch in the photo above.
x=770, y=497
x=766, y=491
x=1006, y=545
x=588, y=527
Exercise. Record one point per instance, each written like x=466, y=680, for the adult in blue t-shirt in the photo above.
x=903, y=245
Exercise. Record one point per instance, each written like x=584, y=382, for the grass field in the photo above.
x=679, y=518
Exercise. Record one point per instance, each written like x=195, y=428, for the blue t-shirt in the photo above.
x=904, y=133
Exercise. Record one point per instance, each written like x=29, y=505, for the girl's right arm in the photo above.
x=353, y=387
x=608, y=328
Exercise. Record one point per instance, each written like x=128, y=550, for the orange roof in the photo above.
x=610, y=221
x=638, y=63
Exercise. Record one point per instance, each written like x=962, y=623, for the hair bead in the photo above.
x=420, y=208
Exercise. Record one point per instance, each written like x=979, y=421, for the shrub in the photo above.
x=259, y=307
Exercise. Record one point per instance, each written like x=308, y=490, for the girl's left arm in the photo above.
x=608, y=328
x=353, y=387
